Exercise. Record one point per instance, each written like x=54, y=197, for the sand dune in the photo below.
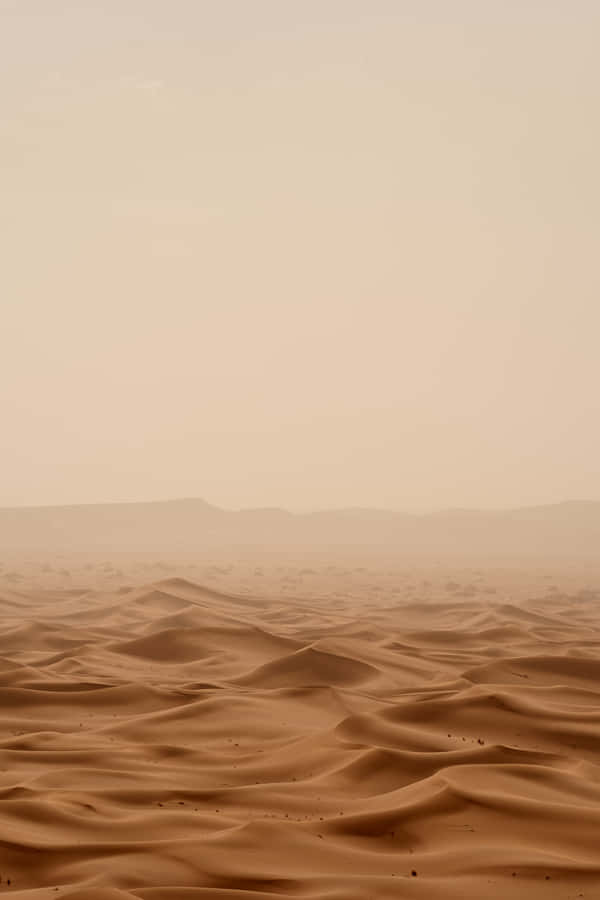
x=178, y=741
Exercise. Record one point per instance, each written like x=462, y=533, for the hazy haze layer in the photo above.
x=301, y=254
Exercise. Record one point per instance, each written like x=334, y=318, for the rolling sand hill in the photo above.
x=358, y=734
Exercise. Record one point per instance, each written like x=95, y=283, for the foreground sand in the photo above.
x=330, y=733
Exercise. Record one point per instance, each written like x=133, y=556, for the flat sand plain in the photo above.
x=246, y=729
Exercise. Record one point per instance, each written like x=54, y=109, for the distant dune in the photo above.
x=569, y=529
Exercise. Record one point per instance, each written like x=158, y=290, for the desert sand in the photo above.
x=173, y=730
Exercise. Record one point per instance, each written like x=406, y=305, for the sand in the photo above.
x=175, y=731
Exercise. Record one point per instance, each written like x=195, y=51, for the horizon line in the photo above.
x=431, y=511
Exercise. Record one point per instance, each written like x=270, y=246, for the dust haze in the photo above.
x=304, y=255
x=299, y=466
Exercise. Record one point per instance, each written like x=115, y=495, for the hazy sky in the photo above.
x=303, y=253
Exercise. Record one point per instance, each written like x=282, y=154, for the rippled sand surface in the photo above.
x=299, y=732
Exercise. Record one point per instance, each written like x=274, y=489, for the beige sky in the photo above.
x=304, y=253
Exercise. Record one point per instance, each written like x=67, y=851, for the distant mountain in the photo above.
x=566, y=529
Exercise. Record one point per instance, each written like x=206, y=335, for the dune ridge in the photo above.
x=569, y=530
x=179, y=741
